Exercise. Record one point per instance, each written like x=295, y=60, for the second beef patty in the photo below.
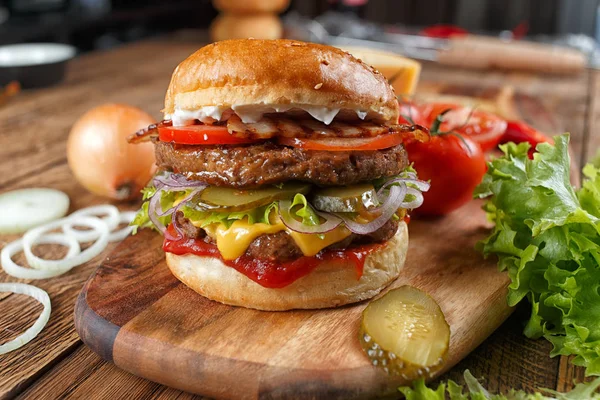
x=281, y=247
x=246, y=166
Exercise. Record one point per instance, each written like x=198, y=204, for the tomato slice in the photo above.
x=484, y=128
x=349, y=144
x=199, y=134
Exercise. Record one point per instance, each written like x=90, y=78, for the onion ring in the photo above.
x=31, y=332
x=414, y=203
x=17, y=271
x=331, y=221
x=389, y=208
x=112, y=219
x=125, y=218
x=32, y=236
x=24, y=209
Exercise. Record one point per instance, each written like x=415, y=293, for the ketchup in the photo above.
x=268, y=273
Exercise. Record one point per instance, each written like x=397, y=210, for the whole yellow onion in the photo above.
x=100, y=157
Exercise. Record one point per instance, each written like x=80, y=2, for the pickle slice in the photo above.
x=405, y=333
x=217, y=198
x=346, y=199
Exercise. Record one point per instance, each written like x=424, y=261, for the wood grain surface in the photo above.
x=33, y=131
x=134, y=312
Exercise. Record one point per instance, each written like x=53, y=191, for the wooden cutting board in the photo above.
x=133, y=312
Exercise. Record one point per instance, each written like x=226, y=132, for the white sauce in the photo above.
x=252, y=113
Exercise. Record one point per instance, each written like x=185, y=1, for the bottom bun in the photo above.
x=331, y=284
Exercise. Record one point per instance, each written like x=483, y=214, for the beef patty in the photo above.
x=246, y=166
x=281, y=247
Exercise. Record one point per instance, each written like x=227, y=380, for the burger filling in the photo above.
x=273, y=198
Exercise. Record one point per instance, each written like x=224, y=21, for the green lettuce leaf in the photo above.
x=451, y=390
x=300, y=208
x=420, y=391
x=547, y=236
x=168, y=199
x=305, y=211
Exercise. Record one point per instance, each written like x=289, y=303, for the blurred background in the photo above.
x=100, y=24
x=471, y=34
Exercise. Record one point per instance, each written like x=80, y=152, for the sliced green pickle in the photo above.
x=217, y=198
x=345, y=199
x=405, y=333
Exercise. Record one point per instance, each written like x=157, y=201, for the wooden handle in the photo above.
x=480, y=52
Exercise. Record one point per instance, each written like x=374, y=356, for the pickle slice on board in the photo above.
x=346, y=199
x=405, y=333
x=216, y=198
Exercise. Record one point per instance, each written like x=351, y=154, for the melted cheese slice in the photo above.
x=233, y=242
x=312, y=244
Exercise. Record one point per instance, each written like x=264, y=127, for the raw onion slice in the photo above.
x=169, y=181
x=421, y=185
x=331, y=221
x=23, y=209
x=31, y=332
x=155, y=210
x=124, y=218
x=416, y=189
x=416, y=203
x=112, y=219
x=17, y=271
x=175, y=181
x=386, y=211
x=32, y=236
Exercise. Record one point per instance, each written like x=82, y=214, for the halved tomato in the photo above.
x=482, y=127
x=350, y=144
x=199, y=134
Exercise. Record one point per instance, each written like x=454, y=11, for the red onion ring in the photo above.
x=155, y=210
x=331, y=221
x=175, y=181
x=165, y=182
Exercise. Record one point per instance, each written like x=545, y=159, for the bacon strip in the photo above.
x=147, y=134
x=269, y=127
x=273, y=126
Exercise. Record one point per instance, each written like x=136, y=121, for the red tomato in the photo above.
x=443, y=31
x=199, y=134
x=484, y=128
x=411, y=114
x=454, y=166
x=518, y=132
x=349, y=144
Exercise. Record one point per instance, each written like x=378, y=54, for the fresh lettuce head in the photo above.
x=547, y=236
x=451, y=390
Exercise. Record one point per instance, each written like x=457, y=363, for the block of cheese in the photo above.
x=403, y=73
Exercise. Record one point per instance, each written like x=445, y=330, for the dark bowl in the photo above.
x=34, y=64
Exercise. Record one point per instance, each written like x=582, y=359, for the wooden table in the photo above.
x=33, y=132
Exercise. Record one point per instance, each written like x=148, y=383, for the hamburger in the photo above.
x=283, y=180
